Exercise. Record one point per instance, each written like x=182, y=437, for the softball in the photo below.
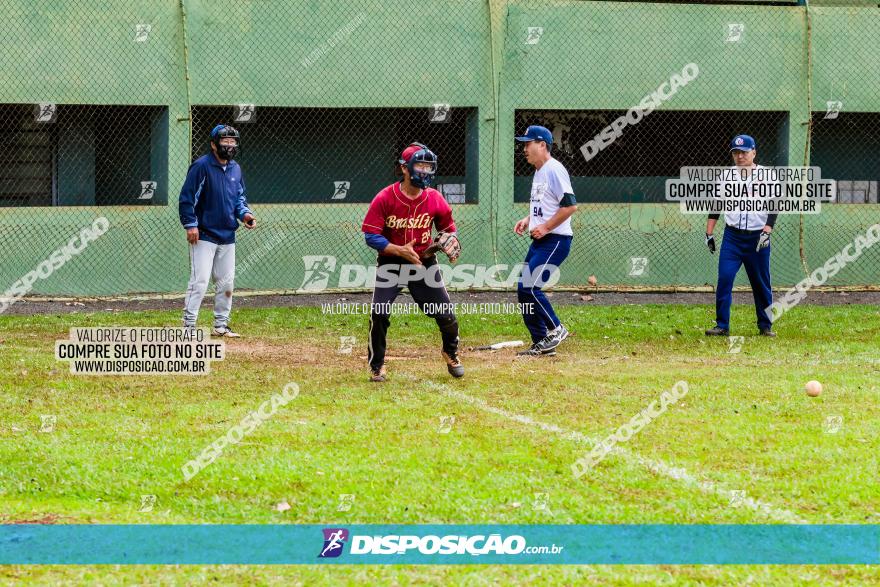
x=813, y=388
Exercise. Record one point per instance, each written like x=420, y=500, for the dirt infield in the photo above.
x=246, y=300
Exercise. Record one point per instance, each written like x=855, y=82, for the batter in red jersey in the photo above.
x=399, y=226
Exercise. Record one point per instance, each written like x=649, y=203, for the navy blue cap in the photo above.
x=537, y=133
x=742, y=143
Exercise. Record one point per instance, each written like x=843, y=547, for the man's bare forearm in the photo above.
x=561, y=216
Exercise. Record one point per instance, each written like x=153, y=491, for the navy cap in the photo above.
x=537, y=133
x=742, y=143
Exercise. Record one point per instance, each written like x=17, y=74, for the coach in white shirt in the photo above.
x=746, y=242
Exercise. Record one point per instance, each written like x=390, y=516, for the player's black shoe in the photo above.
x=767, y=332
x=717, y=332
x=378, y=375
x=453, y=365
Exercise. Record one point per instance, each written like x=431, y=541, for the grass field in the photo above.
x=746, y=445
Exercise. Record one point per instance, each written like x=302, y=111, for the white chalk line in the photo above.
x=658, y=467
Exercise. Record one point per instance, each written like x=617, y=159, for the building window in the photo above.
x=341, y=155
x=83, y=155
x=846, y=147
x=634, y=166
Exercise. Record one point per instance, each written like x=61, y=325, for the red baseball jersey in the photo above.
x=401, y=219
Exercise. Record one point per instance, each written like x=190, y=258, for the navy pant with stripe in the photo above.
x=738, y=249
x=544, y=256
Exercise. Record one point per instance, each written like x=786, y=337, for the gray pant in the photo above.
x=207, y=260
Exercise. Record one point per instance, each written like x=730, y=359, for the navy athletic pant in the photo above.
x=738, y=249
x=544, y=256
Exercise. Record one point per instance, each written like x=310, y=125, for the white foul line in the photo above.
x=657, y=467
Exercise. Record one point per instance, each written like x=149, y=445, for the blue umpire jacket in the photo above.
x=212, y=199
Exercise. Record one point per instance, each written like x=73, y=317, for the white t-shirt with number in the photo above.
x=745, y=220
x=549, y=185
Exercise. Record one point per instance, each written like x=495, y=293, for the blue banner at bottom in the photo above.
x=440, y=544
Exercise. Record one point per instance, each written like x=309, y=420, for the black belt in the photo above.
x=742, y=230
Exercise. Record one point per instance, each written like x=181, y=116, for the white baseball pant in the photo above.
x=208, y=260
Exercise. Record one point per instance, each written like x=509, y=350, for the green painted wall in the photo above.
x=410, y=54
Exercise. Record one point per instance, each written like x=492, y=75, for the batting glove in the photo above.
x=763, y=241
x=710, y=242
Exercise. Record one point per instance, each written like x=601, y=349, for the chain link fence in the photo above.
x=105, y=108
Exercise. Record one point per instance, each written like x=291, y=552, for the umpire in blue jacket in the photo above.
x=212, y=202
x=746, y=242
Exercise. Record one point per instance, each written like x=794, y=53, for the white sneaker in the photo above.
x=537, y=350
x=224, y=332
x=560, y=333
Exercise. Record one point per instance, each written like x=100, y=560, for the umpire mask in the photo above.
x=228, y=152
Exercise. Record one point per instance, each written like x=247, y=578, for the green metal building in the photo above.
x=105, y=105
